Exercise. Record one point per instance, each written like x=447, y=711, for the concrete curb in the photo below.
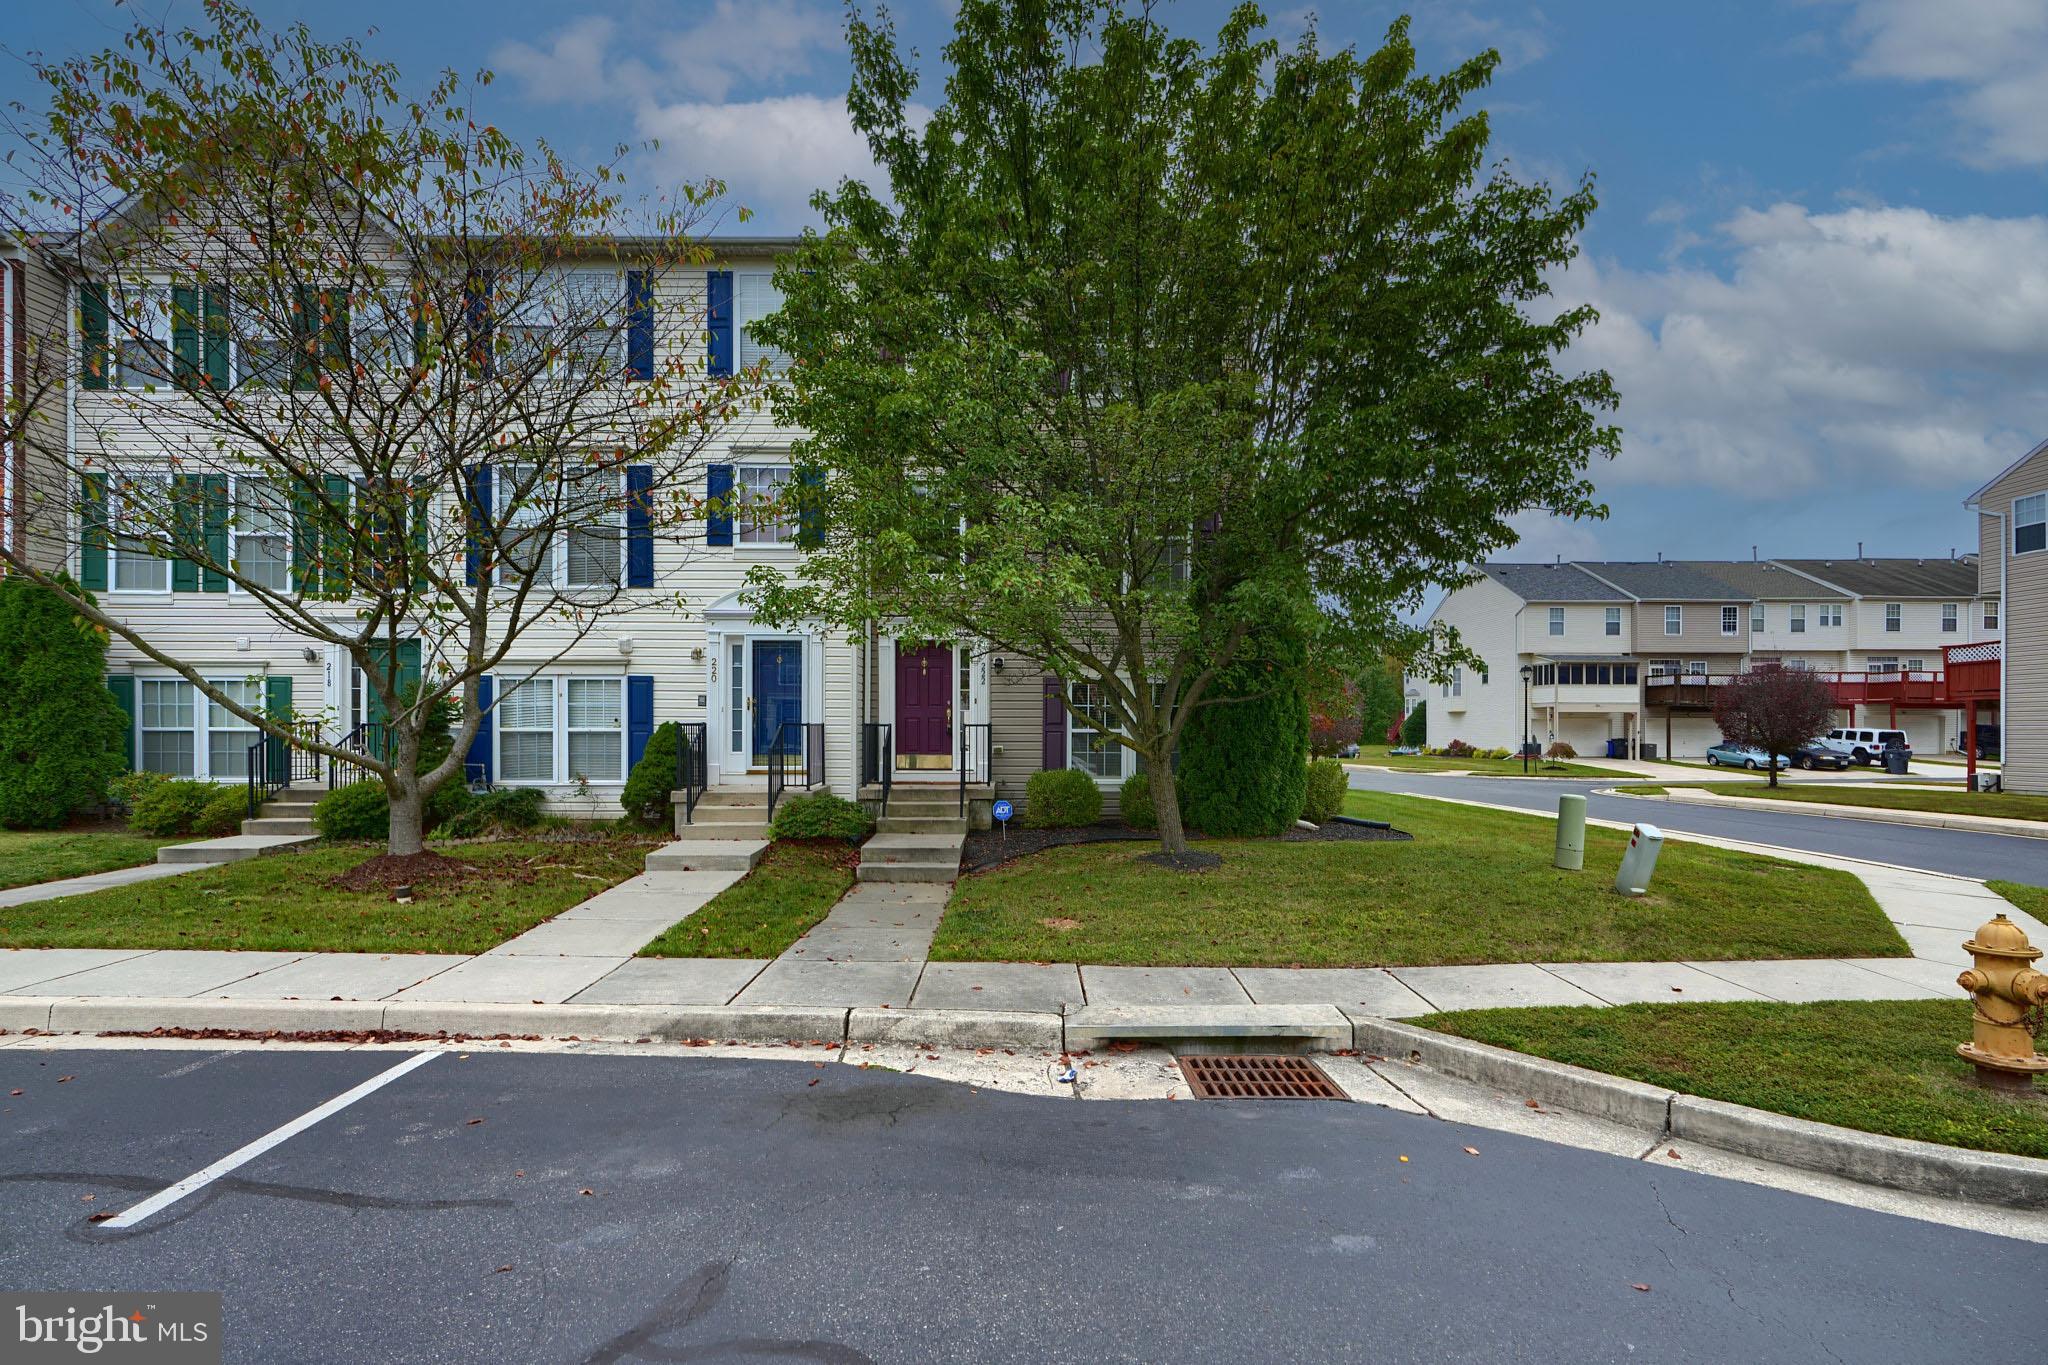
x=957, y=1028
x=1981, y=824
x=2016, y=1182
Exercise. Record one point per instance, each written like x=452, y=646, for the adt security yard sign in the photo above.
x=1003, y=811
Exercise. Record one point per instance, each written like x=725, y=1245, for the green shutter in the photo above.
x=92, y=335
x=305, y=542
x=92, y=539
x=334, y=327
x=185, y=335
x=334, y=539
x=417, y=541
x=122, y=685
x=216, y=530
x=187, y=530
x=305, y=337
x=215, y=345
x=407, y=680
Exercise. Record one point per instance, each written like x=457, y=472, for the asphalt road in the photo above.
x=1958, y=852
x=625, y=1208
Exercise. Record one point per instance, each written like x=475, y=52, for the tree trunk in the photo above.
x=1166, y=804
x=408, y=818
x=1771, y=765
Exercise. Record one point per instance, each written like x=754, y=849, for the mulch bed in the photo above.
x=387, y=871
x=986, y=848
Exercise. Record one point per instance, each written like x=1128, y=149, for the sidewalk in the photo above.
x=1925, y=819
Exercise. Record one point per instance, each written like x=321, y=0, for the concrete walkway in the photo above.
x=172, y=859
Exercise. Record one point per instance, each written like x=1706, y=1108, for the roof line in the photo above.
x=1972, y=501
x=1580, y=566
x=1837, y=587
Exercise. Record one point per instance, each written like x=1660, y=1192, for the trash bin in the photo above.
x=1617, y=748
x=1895, y=761
x=1645, y=842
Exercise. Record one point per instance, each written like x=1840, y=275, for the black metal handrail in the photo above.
x=878, y=758
x=796, y=758
x=275, y=762
x=974, y=759
x=814, y=754
x=372, y=740
x=692, y=766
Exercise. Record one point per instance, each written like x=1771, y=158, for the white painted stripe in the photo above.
x=199, y=1180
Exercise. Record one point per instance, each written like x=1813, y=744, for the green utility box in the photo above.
x=1571, y=833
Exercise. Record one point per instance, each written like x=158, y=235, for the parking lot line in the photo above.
x=200, y=1179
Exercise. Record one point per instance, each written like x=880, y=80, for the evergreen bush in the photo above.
x=170, y=807
x=1415, y=727
x=652, y=783
x=512, y=809
x=821, y=815
x=62, y=734
x=223, y=813
x=1134, y=802
x=1061, y=798
x=360, y=810
x=1324, y=796
x=1244, y=762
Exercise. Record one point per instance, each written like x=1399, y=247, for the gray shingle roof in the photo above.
x=1551, y=583
x=1949, y=579
x=1766, y=580
x=1663, y=581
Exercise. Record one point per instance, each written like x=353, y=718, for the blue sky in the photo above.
x=1821, y=257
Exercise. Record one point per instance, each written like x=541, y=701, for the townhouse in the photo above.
x=1628, y=656
x=2012, y=568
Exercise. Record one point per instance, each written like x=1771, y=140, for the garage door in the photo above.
x=1690, y=735
x=1587, y=734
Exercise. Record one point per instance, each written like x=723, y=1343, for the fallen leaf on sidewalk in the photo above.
x=520, y=1174
x=87, y=1198
x=1404, y=1158
x=14, y=1092
x=1640, y=1288
x=102, y=1216
x=586, y=1191
x=1672, y=1152
x=62, y=1079
x=1471, y=1151
x=501, y=1270
x=472, y=1123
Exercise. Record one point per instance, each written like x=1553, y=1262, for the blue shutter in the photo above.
x=478, y=504
x=639, y=716
x=718, y=490
x=478, y=763
x=719, y=311
x=639, y=526
x=639, y=325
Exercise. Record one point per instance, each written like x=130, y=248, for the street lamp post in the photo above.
x=1526, y=671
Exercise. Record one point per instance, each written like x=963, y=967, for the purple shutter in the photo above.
x=1053, y=753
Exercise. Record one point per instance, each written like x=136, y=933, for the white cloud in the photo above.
x=772, y=153
x=572, y=68
x=1861, y=348
x=1466, y=34
x=1992, y=52
x=763, y=42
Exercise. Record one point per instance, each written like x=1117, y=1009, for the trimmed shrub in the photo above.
x=506, y=809
x=125, y=790
x=1324, y=796
x=1561, y=750
x=1134, y=802
x=1061, y=798
x=360, y=810
x=223, y=815
x=61, y=732
x=1457, y=748
x=1244, y=763
x=1415, y=728
x=652, y=782
x=170, y=807
x=821, y=815
x=451, y=799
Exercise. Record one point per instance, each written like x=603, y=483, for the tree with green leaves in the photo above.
x=60, y=731
x=1149, y=342
x=417, y=392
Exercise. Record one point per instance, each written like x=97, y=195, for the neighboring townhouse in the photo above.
x=1634, y=652
x=34, y=374
x=2012, y=567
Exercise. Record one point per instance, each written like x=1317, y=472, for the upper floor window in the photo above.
x=262, y=529
x=762, y=515
x=1731, y=620
x=1674, y=620
x=1756, y=617
x=1893, y=613
x=1991, y=615
x=1795, y=619
x=1613, y=622
x=1951, y=618
x=1557, y=620
x=135, y=511
x=566, y=325
x=2030, y=524
x=1831, y=614
x=754, y=297
x=1883, y=664
x=569, y=533
x=142, y=338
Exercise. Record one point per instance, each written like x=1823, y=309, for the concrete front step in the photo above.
x=230, y=850
x=277, y=824
x=892, y=823
x=707, y=855
x=941, y=870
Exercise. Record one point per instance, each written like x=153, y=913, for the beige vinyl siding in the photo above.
x=2025, y=619
x=1989, y=552
x=38, y=502
x=1701, y=633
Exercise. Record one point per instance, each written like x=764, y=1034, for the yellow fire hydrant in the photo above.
x=2003, y=986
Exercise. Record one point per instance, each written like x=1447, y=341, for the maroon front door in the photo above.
x=924, y=700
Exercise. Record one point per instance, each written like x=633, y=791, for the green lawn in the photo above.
x=2032, y=899
x=1474, y=886
x=1376, y=755
x=1999, y=804
x=1882, y=1066
x=764, y=912
x=282, y=902
x=35, y=856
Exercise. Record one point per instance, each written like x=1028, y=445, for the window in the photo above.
x=1795, y=619
x=754, y=297
x=591, y=517
x=1664, y=668
x=1557, y=620
x=526, y=732
x=761, y=517
x=594, y=546
x=736, y=705
x=1883, y=665
x=1613, y=623
x=262, y=532
x=1831, y=614
x=1915, y=665
x=166, y=717
x=228, y=736
x=1731, y=620
x=524, y=510
x=1696, y=668
x=1756, y=617
x=138, y=507
x=597, y=729
x=1087, y=749
x=1951, y=618
x=263, y=359
x=2030, y=524
x=1991, y=615
x=1892, y=613
x=565, y=326
x=1457, y=682
x=381, y=329
x=1674, y=620
x=142, y=340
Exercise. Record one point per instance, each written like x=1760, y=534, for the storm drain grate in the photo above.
x=1258, y=1078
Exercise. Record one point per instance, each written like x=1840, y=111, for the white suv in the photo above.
x=1865, y=746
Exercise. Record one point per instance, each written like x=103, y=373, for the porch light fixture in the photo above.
x=998, y=663
x=625, y=644
x=310, y=654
